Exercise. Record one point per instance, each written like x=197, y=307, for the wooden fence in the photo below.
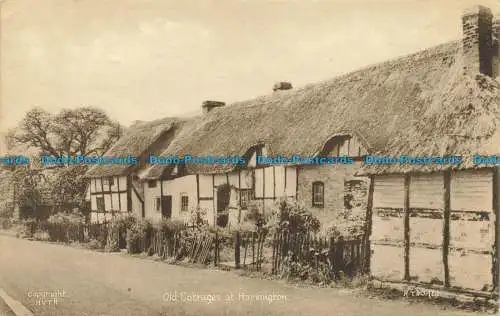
x=191, y=244
x=346, y=256
x=252, y=250
x=67, y=232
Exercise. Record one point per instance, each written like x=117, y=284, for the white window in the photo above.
x=246, y=196
x=184, y=202
x=100, y=203
x=318, y=194
x=157, y=204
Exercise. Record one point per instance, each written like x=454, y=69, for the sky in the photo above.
x=148, y=59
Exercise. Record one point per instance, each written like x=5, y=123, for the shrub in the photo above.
x=65, y=227
x=169, y=226
x=5, y=223
x=198, y=217
x=139, y=236
x=117, y=231
x=292, y=216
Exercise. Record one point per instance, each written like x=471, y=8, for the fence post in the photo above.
x=237, y=250
x=216, y=249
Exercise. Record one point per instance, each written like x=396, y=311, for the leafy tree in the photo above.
x=85, y=131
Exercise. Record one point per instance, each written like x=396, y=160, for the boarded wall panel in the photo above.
x=291, y=181
x=426, y=264
x=476, y=235
x=279, y=172
x=123, y=197
x=469, y=270
x=259, y=182
x=426, y=231
x=98, y=185
x=107, y=202
x=116, y=203
x=206, y=189
x=427, y=190
x=220, y=179
x=387, y=228
x=471, y=190
x=246, y=179
x=388, y=191
x=93, y=202
x=123, y=183
x=387, y=262
x=269, y=182
x=233, y=179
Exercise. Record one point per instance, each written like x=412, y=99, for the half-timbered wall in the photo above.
x=466, y=242
x=114, y=197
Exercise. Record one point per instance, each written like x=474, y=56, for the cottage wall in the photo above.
x=335, y=179
x=115, y=197
x=150, y=195
x=178, y=186
x=471, y=228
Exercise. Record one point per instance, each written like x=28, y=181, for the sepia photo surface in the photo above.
x=232, y=157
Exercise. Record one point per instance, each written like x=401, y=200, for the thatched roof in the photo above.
x=137, y=141
x=414, y=105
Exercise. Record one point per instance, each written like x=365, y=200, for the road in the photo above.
x=85, y=282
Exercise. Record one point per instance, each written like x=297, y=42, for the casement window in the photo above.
x=152, y=184
x=318, y=194
x=100, y=203
x=184, y=202
x=157, y=204
x=246, y=196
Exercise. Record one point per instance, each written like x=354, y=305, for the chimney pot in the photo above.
x=478, y=41
x=208, y=105
x=283, y=85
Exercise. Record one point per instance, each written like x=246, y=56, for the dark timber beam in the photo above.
x=406, y=210
x=369, y=223
x=446, y=226
x=496, y=245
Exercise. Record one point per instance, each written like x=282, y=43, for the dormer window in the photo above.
x=344, y=145
x=175, y=170
x=152, y=184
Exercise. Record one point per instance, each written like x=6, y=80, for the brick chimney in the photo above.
x=208, y=106
x=478, y=41
x=283, y=85
x=496, y=46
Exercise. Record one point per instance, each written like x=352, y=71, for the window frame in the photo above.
x=157, y=204
x=184, y=207
x=250, y=194
x=151, y=185
x=100, y=202
x=315, y=203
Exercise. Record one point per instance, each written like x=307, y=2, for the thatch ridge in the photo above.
x=379, y=103
x=135, y=142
